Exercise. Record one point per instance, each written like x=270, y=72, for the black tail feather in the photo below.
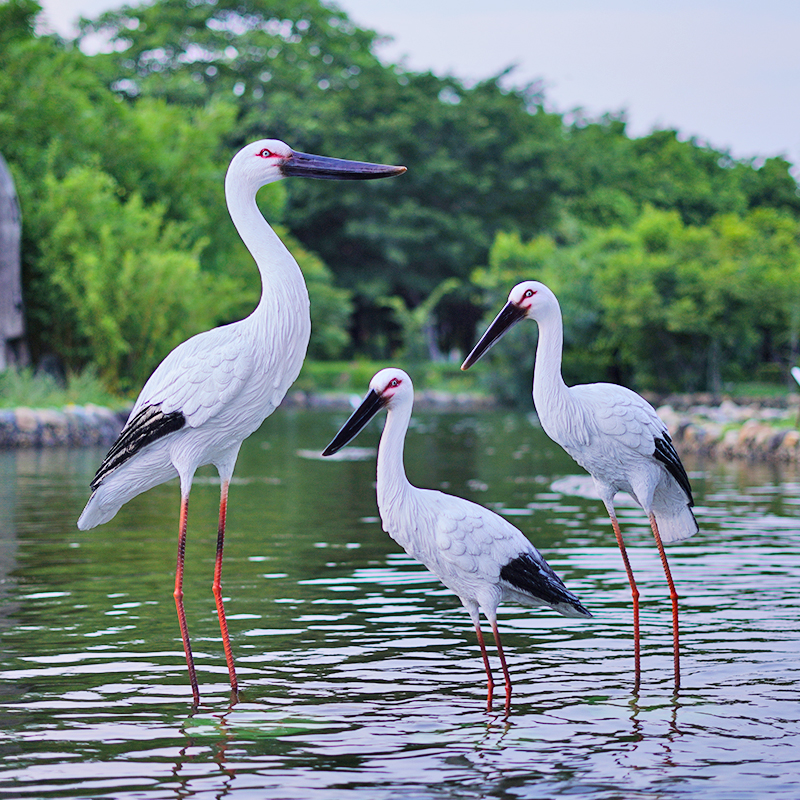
x=667, y=454
x=149, y=425
x=527, y=575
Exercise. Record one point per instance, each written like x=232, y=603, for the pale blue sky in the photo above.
x=726, y=71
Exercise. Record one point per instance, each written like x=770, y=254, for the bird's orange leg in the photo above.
x=635, y=595
x=500, y=652
x=216, y=587
x=485, y=656
x=673, y=595
x=178, y=594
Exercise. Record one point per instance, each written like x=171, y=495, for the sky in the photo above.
x=724, y=71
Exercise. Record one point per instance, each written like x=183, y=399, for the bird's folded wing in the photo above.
x=199, y=378
x=149, y=425
x=622, y=415
x=472, y=538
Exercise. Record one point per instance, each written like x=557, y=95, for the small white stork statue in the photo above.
x=475, y=553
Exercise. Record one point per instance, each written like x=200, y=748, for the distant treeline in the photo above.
x=678, y=266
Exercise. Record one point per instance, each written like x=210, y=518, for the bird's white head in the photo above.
x=533, y=298
x=391, y=385
x=388, y=388
x=527, y=300
x=260, y=163
x=268, y=160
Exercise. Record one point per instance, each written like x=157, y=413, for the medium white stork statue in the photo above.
x=475, y=553
x=214, y=390
x=612, y=432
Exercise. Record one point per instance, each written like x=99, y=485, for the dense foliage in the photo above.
x=659, y=303
x=677, y=265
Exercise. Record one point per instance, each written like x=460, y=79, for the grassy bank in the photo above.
x=354, y=376
x=26, y=388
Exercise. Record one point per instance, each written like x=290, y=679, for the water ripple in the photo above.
x=361, y=675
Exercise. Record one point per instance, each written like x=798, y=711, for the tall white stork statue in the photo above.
x=214, y=390
x=612, y=432
x=475, y=553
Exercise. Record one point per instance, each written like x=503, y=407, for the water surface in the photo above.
x=360, y=673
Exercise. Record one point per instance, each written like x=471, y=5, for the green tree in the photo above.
x=692, y=306
x=417, y=325
x=478, y=156
x=609, y=178
x=130, y=288
x=185, y=82
x=142, y=202
x=482, y=158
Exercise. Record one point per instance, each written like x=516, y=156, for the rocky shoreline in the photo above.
x=755, y=429
x=82, y=426
x=71, y=426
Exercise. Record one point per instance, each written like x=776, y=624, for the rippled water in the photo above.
x=360, y=673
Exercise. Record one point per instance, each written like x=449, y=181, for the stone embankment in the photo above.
x=759, y=430
x=73, y=426
x=754, y=429
x=427, y=399
x=79, y=426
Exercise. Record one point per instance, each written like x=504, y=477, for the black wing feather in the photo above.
x=668, y=456
x=149, y=425
x=526, y=575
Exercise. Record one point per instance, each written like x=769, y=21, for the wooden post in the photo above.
x=13, y=350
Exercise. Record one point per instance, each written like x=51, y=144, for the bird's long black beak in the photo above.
x=335, y=169
x=510, y=315
x=369, y=407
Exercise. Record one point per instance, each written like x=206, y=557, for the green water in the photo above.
x=360, y=673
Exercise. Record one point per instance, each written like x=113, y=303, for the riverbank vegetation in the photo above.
x=678, y=266
x=25, y=387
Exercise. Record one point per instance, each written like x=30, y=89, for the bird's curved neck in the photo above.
x=392, y=481
x=549, y=389
x=279, y=271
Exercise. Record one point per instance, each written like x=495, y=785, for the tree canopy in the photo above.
x=658, y=304
x=142, y=133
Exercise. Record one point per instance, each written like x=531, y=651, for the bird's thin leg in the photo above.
x=217, y=588
x=673, y=595
x=635, y=595
x=485, y=656
x=178, y=594
x=503, y=664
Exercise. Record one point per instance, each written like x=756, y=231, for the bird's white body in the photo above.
x=238, y=385
x=464, y=544
x=608, y=429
